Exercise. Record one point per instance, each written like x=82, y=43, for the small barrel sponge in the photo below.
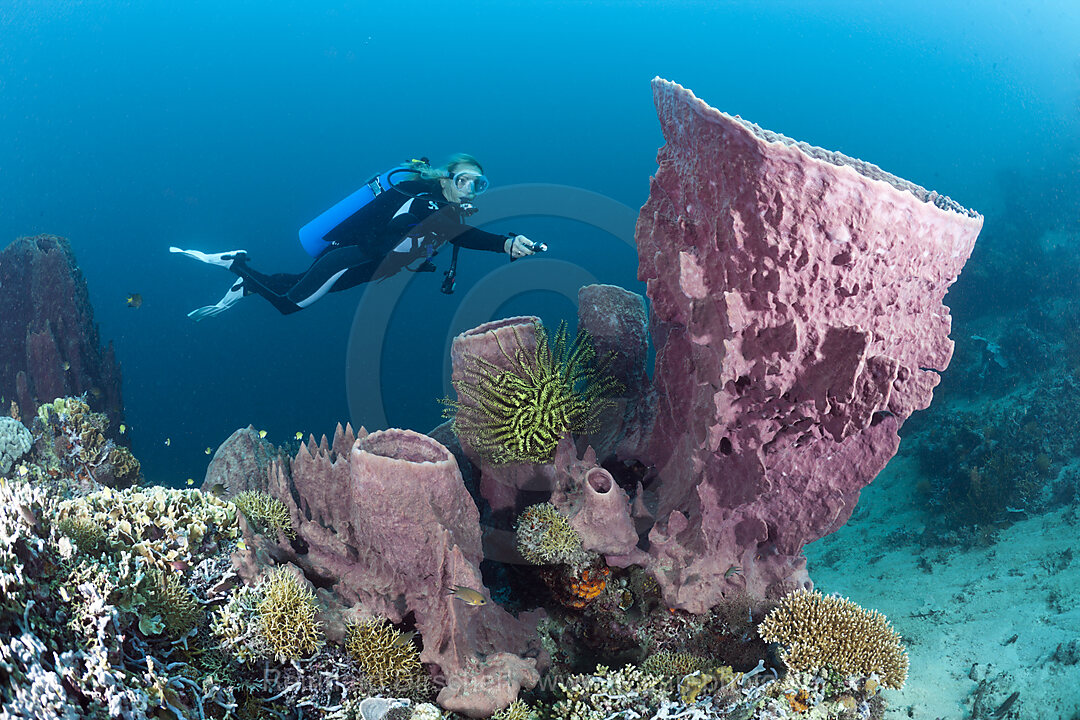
x=835, y=633
x=15, y=441
x=545, y=537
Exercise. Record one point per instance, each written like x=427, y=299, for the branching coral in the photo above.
x=518, y=414
x=287, y=617
x=675, y=664
x=388, y=657
x=545, y=537
x=274, y=619
x=517, y=710
x=170, y=598
x=833, y=633
x=627, y=692
x=265, y=512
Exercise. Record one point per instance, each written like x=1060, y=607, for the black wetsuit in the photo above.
x=395, y=229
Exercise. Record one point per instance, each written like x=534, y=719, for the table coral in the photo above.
x=824, y=632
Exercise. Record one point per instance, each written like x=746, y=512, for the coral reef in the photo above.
x=49, y=343
x=831, y=633
x=72, y=441
x=796, y=311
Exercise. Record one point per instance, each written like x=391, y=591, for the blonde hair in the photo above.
x=447, y=169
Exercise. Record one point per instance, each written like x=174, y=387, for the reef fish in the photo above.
x=467, y=595
x=134, y=300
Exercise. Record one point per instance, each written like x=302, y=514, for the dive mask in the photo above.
x=467, y=181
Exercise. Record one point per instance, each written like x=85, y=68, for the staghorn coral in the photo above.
x=388, y=657
x=834, y=633
x=518, y=415
x=265, y=512
x=170, y=598
x=607, y=693
x=545, y=537
x=675, y=663
x=517, y=710
x=286, y=615
x=235, y=625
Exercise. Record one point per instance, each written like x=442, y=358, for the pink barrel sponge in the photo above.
x=796, y=308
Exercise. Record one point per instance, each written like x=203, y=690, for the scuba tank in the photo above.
x=312, y=235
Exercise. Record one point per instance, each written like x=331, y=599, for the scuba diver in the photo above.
x=398, y=218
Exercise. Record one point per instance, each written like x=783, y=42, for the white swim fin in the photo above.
x=223, y=259
x=236, y=291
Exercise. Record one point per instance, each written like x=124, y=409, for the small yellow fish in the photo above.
x=404, y=639
x=299, y=435
x=168, y=442
x=217, y=490
x=467, y=595
x=134, y=300
x=241, y=545
x=23, y=470
x=208, y=451
x=123, y=428
x=190, y=481
x=66, y=366
x=262, y=433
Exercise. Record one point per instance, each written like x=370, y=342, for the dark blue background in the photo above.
x=129, y=127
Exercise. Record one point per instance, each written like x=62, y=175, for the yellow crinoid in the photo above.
x=517, y=412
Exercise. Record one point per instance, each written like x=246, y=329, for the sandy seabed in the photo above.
x=979, y=624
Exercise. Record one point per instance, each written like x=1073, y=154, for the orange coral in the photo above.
x=588, y=586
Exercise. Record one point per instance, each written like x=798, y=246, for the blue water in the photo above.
x=131, y=126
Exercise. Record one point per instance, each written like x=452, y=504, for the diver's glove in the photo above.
x=236, y=291
x=224, y=259
x=519, y=246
